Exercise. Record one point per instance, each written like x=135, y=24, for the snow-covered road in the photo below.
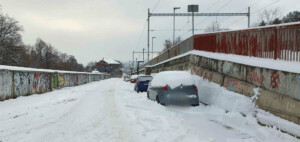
x=110, y=110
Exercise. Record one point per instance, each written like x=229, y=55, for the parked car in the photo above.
x=127, y=78
x=133, y=78
x=142, y=82
x=173, y=87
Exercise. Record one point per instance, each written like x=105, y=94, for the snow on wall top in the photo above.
x=110, y=61
x=15, y=68
x=281, y=65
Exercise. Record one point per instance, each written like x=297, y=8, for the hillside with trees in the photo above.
x=14, y=52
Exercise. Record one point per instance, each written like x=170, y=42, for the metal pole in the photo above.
x=133, y=59
x=148, y=32
x=193, y=21
x=143, y=54
x=136, y=61
x=173, y=28
x=152, y=47
x=248, y=17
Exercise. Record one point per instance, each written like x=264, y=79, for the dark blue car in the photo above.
x=142, y=83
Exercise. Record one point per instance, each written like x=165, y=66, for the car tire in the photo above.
x=147, y=95
x=194, y=105
x=157, y=99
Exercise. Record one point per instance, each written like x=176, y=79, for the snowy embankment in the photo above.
x=111, y=110
x=212, y=94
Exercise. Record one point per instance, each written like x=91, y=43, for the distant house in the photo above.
x=109, y=66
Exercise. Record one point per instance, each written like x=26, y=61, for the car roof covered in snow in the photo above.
x=173, y=79
x=133, y=76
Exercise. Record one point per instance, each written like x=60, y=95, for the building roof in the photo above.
x=110, y=61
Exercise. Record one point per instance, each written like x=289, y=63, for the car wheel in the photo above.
x=195, y=105
x=157, y=99
x=148, y=95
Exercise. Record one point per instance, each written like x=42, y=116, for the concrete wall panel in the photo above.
x=23, y=83
x=6, y=83
x=41, y=83
x=280, y=104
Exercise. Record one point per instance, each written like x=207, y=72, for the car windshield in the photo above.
x=145, y=78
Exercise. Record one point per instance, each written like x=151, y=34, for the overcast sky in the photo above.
x=95, y=29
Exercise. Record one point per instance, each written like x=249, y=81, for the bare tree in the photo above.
x=270, y=16
x=177, y=40
x=10, y=39
x=167, y=44
x=213, y=27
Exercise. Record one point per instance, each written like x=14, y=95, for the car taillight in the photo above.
x=165, y=88
x=195, y=88
x=138, y=83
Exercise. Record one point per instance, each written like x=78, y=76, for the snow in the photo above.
x=110, y=61
x=15, y=68
x=111, y=110
x=134, y=77
x=172, y=79
x=281, y=65
x=212, y=94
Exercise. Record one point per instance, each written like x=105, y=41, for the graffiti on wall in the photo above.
x=41, y=83
x=238, y=86
x=54, y=81
x=274, y=82
x=61, y=80
x=23, y=83
x=255, y=77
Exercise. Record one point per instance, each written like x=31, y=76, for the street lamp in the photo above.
x=152, y=46
x=174, y=25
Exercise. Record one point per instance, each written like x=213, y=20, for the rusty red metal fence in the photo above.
x=275, y=42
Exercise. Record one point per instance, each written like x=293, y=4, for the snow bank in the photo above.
x=212, y=94
x=172, y=78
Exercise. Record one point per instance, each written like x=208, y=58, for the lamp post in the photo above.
x=152, y=46
x=174, y=25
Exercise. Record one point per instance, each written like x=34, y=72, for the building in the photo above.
x=110, y=66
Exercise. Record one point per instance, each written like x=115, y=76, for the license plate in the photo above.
x=145, y=83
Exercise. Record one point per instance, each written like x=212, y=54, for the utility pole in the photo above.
x=143, y=54
x=152, y=46
x=248, y=17
x=136, y=61
x=148, y=31
x=173, y=26
x=133, y=59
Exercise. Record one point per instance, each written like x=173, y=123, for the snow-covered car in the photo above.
x=127, y=78
x=133, y=78
x=173, y=87
x=142, y=83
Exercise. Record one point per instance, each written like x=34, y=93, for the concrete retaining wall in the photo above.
x=280, y=91
x=23, y=83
